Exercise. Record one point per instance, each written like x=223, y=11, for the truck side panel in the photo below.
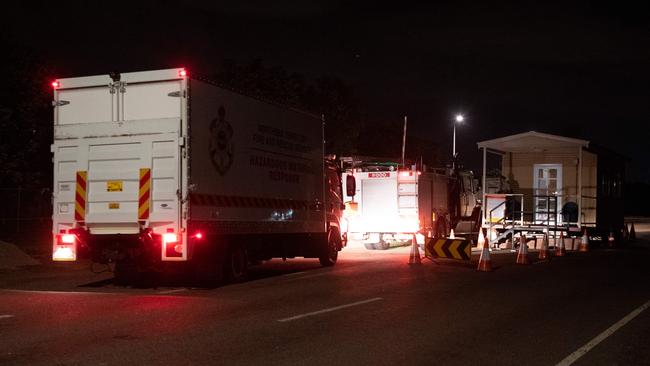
x=255, y=167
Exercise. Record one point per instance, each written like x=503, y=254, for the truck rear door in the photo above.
x=118, y=153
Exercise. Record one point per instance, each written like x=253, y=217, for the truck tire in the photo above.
x=236, y=263
x=333, y=244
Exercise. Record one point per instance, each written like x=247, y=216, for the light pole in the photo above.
x=459, y=119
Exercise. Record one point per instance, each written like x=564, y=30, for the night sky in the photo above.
x=579, y=69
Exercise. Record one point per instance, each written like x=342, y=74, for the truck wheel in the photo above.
x=236, y=264
x=383, y=244
x=333, y=240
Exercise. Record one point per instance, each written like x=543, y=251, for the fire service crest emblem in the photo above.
x=221, y=146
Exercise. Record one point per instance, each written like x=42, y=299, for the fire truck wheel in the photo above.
x=333, y=245
x=236, y=263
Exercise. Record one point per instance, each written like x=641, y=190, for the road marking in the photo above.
x=329, y=309
x=172, y=291
x=61, y=292
x=308, y=276
x=294, y=273
x=602, y=336
x=6, y=316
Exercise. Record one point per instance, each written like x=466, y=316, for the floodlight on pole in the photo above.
x=459, y=119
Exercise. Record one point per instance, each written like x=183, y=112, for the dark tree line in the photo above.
x=25, y=119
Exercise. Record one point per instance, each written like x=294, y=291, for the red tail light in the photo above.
x=182, y=73
x=65, y=247
x=55, y=84
x=170, y=238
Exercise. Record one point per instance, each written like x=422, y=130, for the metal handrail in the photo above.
x=504, y=220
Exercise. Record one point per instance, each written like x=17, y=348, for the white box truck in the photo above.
x=156, y=170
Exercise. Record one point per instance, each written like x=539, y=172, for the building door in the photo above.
x=547, y=190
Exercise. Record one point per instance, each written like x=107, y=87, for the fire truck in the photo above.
x=393, y=202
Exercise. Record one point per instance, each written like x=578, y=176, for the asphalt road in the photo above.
x=371, y=308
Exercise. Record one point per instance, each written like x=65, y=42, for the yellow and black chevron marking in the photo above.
x=144, y=197
x=80, y=196
x=448, y=248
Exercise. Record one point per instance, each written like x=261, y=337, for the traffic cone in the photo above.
x=626, y=233
x=414, y=257
x=481, y=240
x=632, y=232
x=484, y=263
x=560, y=250
x=522, y=255
x=543, y=252
x=584, y=242
x=451, y=234
x=611, y=242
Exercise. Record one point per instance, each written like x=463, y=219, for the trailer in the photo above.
x=550, y=184
x=158, y=171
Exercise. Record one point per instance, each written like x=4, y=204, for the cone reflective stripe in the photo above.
x=522, y=254
x=560, y=250
x=414, y=257
x=481, y=243
x=80, y=196
x=611, y=242
x=584, y=242
x=543, y=252
x=144, y=196
x=484, y=263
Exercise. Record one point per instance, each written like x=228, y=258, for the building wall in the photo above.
x=518, y=170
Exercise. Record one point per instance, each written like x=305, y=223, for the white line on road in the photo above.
x=602, y=336
x=292, y=279
x=61, y=292
x=172, y=291
x=6, y=316
x=329, y=309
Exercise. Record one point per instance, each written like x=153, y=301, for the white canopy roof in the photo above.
x=532, y=141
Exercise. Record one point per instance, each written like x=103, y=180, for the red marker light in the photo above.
x=170, y=238
x=198, y=236
x=182, y=73
x=68, y=239
x=55, y=84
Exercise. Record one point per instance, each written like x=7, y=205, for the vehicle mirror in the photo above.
x=350, y=185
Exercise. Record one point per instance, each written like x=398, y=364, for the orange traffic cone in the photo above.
x=611, y=242
x=522, y=255
x=632, y=232
x=451, y=234
x=481, y=240
x=626, y=233
x=543, y=252
x=484, y=263
x=414, y=257
x=584, y=242
x=560, y=250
